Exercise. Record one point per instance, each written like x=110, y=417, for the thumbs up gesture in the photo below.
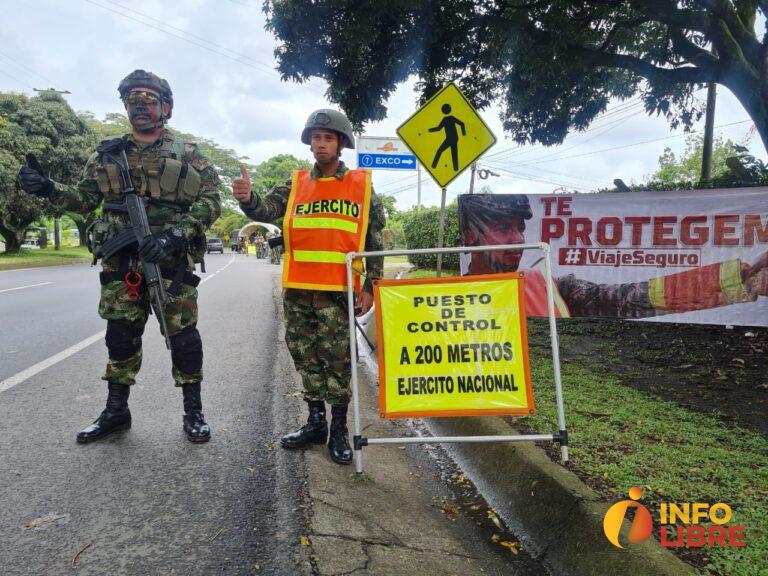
x=241, y=187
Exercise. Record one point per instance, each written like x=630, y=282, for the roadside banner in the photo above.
x=384, y=153
x=453, y=347
x=698, y=256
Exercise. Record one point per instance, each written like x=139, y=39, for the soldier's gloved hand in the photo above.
x=155, y=247
x=33, y=180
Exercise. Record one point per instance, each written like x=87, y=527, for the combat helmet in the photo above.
x=329, y=120
x=499, y=206
x=144, y=79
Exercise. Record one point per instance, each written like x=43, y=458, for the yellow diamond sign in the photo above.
x=446, y=134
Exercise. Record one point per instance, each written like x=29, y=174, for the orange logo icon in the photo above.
x=642, y=525
x=388, y=147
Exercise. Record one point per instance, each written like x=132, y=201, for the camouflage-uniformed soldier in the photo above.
x=180, y=187
x=326, y=210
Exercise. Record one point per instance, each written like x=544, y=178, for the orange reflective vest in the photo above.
x=325, y=219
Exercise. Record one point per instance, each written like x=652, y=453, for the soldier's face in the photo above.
x=324, y=145
x=503, y=232
x=144, y=106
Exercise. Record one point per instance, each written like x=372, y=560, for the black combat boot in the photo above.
x=341, y=452
x=115, y=416
x=315, y=431
x=194, y=421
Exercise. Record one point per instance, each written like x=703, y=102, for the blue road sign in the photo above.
x=388, y=161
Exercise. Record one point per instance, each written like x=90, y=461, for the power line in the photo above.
x=19, y=80
x=190, y=34
x=25, y=68
x=240, y=59
x=538, y=161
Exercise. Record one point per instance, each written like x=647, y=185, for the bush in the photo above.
x=421, y=228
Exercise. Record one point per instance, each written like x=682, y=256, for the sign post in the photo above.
x=447, y=135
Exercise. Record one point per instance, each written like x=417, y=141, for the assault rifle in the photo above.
x=114, y=151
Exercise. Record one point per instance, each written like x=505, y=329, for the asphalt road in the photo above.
x=145, y=501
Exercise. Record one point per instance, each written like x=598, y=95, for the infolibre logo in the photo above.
x=642, y=525
x=679, y=524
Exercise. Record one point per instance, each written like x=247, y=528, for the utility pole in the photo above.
x=472, y=178
x=709, y=130
x=418, y=184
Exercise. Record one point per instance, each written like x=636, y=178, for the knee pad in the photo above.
x=187, y=350
x=123, y=339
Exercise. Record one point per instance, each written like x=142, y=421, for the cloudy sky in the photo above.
x=218, y=58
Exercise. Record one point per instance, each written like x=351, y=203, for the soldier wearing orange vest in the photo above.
x=328, y=211
x=710, y=286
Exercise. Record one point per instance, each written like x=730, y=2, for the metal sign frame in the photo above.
x=561, y=436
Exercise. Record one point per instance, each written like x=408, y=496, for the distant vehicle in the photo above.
x=214, y=245
x=30, y=244
x=234, y=240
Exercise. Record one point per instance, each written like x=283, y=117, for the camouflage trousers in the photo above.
x=318, y=339
x=131, y=317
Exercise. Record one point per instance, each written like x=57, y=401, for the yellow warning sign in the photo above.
x=446, y=134
x=453, y=346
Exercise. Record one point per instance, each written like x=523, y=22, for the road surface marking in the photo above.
x=26, y=374
x=9, y=383
x=27, y=286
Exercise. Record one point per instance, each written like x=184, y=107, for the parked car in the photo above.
x=214, y=245
x=30, y=243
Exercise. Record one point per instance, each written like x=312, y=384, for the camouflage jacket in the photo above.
x=194, y=208
x=272, y=206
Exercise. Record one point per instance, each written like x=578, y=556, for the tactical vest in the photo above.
x=160, y=173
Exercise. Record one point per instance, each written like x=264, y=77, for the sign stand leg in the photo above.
x=563, y=431
x=358, y=451
x=441, y=234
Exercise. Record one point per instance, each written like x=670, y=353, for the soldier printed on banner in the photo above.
x=180, y=189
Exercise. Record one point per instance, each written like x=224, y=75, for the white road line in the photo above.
x=48, y=362
x=20, y=377
x=27, y=286
x=212, y=274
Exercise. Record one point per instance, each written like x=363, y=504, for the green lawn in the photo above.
x=621, y=437
x=428, y=273
x=46, y=257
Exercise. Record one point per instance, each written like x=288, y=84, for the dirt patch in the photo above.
x=711, y=369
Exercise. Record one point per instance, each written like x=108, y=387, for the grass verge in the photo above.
x=622, y=437
x=43, y=257
x=430, y=273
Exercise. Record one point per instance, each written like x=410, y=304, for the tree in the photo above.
x=48, y=127
x=687, y=168
x=276, y=171
x=553, y=65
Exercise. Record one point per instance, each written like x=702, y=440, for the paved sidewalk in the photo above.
x=389, y=521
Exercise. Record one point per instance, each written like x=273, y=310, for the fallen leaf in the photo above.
x=450, y=509
x=513, y=547
x=495, y=538
x=304, y=540
x=256, y=568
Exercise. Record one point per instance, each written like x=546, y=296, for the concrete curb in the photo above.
x=561, y=517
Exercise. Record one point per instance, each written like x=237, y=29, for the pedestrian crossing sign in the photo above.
x=446, y=134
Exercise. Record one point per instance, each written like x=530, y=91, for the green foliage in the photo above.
x=732, y=167
x=46, y=126
x=230, y=219
x=276, y=171
x=552, y=65
x=421, y=227
x=687, y=168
